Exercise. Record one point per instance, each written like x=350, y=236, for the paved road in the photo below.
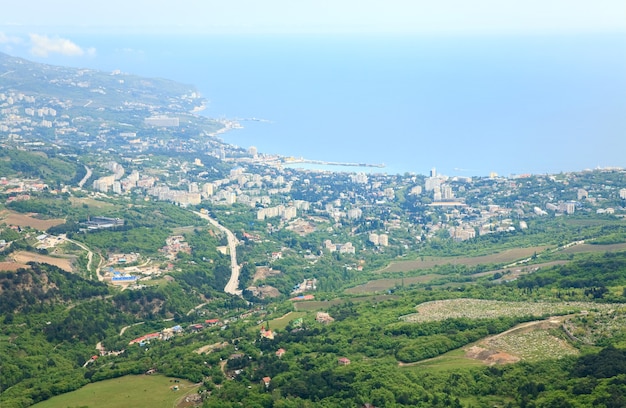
x=89, y=256
x=87, y=177
x=233, y=282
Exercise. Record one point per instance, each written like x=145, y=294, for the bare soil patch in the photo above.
x=264, y=272
x=490, y=357
x=210, y=347
x=12, y=266
x=25, y=257
x=28, y=220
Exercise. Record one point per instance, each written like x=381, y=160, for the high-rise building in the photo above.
x=446, y=192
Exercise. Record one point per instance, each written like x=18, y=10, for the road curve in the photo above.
x=233, y=282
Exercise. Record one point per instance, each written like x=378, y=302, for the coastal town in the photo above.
x=162, y=156
x=137, y=245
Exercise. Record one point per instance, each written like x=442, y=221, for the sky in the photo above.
x=47, y=27
x=315, y=16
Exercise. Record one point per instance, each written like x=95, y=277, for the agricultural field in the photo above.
x=582, y=248
x=379, y=285
x=489, y=309
x=316, y=304
x=129, y=391
x=519, y=270
x=25, y=257
x=28, y=220
x=12, y=266
x=507, y=256
x=325, y=304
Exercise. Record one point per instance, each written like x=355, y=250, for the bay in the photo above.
x=465, y=105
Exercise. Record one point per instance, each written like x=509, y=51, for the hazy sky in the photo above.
x=313, y=16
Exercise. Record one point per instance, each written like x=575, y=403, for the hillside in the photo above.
x=265, y=286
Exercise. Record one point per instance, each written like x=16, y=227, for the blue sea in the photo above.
x=464, y=105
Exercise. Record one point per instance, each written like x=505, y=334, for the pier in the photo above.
x=291, y=160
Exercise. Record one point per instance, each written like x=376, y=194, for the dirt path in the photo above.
x=129, y=326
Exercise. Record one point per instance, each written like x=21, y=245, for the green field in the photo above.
x=452, y=360
x=129, y=391
x=282, y=322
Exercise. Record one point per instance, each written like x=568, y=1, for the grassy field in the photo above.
x=76, y=202
x=282, y=322
x=507, y=256
x=452, y=360
x=129, y=391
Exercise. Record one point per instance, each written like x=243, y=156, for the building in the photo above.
x=162, y=121
x=354, y=213
x=343, y=361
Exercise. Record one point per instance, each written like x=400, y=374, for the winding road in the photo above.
x=233, y=282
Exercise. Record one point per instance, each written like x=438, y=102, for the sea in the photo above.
x=465, y=105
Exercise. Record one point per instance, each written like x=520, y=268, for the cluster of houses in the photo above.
x=170, y=332
x=174, y=245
